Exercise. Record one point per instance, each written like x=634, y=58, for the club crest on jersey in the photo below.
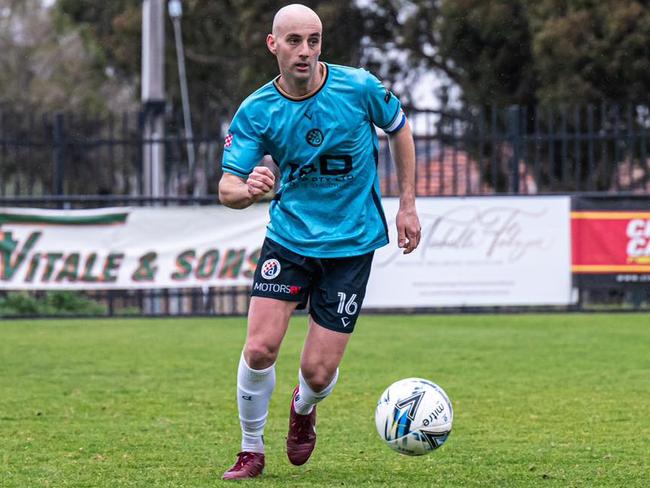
x=228, y=140
x=314, y=137
x=270, y=269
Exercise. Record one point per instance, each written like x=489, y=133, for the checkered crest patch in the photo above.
x=228, y=141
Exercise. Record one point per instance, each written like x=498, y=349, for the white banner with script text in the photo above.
x=478, y=251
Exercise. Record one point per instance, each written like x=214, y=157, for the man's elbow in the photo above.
x=221, y=191
x=226, y=198
x=225, y=194
x=229, y=197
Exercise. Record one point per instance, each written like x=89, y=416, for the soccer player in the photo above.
x=317, y=121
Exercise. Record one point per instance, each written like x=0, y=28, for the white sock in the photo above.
x=307, y=398
x=254, y=389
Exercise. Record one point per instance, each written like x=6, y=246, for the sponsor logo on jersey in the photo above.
x=271, y=269
x=314, y=137
x=387, y=96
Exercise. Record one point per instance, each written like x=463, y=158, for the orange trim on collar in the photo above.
x=308, y=95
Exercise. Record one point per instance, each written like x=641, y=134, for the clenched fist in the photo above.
x=260, y=182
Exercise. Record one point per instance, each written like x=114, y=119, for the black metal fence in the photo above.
x=234, y=302
x=72, y=161
x=515, y=150
x=70, y=154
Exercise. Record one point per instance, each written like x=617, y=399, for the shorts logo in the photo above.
x=276, y=288
x=314, y=137
x=294, y=290
x=270, y=269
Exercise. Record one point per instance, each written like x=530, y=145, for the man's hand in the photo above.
x=260, y=182
x=408, y=229
x=235, y=192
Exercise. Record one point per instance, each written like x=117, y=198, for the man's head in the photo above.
x=296, y=42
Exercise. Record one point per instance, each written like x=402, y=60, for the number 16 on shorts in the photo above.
x=349, y=307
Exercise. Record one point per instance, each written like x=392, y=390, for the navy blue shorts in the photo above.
x=333, y=287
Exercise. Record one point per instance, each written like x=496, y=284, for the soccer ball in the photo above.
x=414, y=416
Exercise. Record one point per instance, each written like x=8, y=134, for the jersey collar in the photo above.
x=308, y=95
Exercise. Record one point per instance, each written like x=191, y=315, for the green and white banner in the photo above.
x=126, y=248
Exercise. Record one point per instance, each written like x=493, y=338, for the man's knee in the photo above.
x=318, y=377
x=259, y=355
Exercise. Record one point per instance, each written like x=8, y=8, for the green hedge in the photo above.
x=51, y=303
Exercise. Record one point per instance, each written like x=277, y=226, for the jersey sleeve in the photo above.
x=243, y=148
x=384, y=108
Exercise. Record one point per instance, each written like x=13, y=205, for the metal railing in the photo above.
x=75, y=161
x=516, y=150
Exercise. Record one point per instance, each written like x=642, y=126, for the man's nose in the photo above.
x=304, y=49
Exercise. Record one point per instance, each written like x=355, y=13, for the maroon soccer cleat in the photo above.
x=248, y=465
x=302, y=434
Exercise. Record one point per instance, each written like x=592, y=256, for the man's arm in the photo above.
x=402, y=150
x=235, y=192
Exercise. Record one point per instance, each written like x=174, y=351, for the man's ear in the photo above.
x=270, y=43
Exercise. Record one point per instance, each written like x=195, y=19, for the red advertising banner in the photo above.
x=610, y=242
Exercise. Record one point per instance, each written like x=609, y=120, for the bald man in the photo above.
x=317, y=121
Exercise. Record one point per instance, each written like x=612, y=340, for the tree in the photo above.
x=46, y=69
x=590, y=51
x=523, y=51
x=224, y=43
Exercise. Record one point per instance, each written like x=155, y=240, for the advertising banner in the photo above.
x=478, y=251
x=611, y=241
x=126, y=248
x=492, y=251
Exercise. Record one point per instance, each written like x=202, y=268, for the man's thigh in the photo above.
x=336, y=297
x=280, y=284
x=268, y=320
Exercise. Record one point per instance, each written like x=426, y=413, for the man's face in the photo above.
x=297, y=48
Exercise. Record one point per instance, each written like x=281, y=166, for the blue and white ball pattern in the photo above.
x=414, y=416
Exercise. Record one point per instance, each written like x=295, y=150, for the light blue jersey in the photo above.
x=326, y=146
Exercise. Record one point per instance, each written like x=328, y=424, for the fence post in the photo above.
x=514, y=137
x=59, y=154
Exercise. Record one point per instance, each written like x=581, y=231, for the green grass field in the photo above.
x=540, y=400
